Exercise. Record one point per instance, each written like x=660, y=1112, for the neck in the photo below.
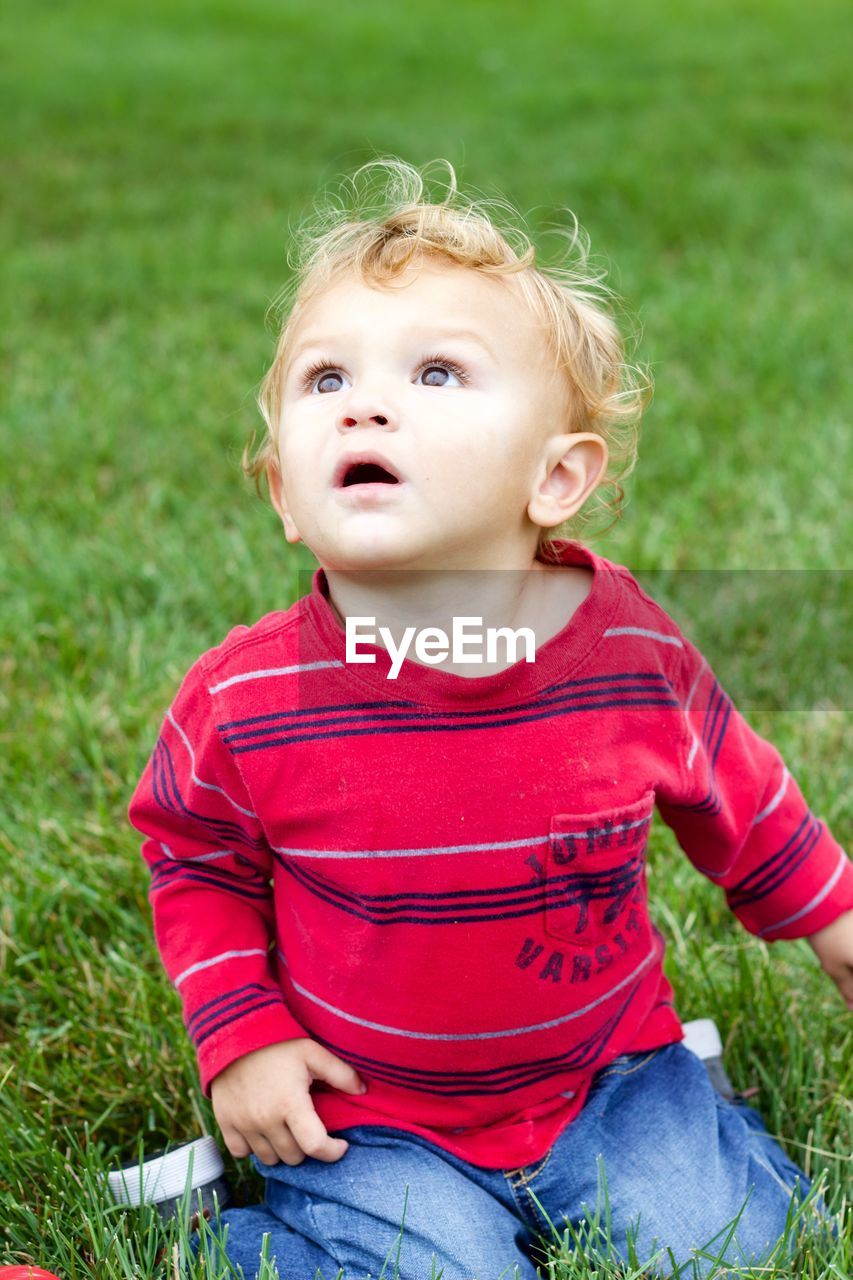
x=424, y=597
x=398, y=600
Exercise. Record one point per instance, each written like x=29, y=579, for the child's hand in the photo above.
x=834, y=949
x=262, y=1102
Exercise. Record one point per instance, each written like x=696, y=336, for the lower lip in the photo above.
x=372, y=494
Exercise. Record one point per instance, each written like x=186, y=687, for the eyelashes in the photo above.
x=442, y=362
x=313, y=372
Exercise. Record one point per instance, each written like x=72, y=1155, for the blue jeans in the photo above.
x=679, y=1164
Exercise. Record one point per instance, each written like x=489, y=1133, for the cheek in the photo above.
x=294, y=452
x=294, y=469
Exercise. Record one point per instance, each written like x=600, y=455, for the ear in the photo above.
x=276, y=488
x=574, y=466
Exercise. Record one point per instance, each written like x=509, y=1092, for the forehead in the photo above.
x=435, y=297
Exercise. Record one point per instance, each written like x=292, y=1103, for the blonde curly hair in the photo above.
x=379, y=221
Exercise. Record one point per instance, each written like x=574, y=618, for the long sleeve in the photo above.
x=210, y=887
x=742, y=820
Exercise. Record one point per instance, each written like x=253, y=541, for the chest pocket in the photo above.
x=595, y=875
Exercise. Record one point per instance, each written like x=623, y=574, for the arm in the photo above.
x=743, y=822
x=833, y=947
x=214, y=923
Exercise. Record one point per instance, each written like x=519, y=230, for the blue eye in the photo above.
x=441, y=373
x=331, y=380
x=322, y=378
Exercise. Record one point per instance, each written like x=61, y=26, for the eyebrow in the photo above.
x=436, y=336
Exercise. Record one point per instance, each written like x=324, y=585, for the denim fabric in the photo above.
x=679, y=1163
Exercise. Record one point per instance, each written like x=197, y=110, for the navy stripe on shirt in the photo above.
x=489, y=1081
x=168, y=796
x=432, y=723
x=775, y=870
x=475, y=906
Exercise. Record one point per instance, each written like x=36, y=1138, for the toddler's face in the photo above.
x=414, y=419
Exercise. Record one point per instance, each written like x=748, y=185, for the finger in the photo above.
x=312, y=1136
x=263, y=1149
x=323, y=1065
x=285, y=1145
x=236, y=1143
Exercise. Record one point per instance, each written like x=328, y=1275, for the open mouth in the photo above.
x=367, y=473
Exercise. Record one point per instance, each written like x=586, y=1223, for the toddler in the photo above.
x=397, y=831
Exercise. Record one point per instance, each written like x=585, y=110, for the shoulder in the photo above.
x=636, y=608
x=246, y=652
x=273, y=638
x=622, y=608
x=643, y=628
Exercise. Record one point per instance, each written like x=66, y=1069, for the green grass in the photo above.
x=153, y=158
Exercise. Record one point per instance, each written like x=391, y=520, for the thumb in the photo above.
x=842, y=975
x=844, y=980
x=325, y=1066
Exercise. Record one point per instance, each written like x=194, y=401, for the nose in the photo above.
x=378, y=418
x=366, y=408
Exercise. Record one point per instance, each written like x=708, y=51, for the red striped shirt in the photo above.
x=442, y=879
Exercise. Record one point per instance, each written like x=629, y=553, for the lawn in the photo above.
x=154, y=158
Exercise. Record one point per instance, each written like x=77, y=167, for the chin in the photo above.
x=355, y=558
